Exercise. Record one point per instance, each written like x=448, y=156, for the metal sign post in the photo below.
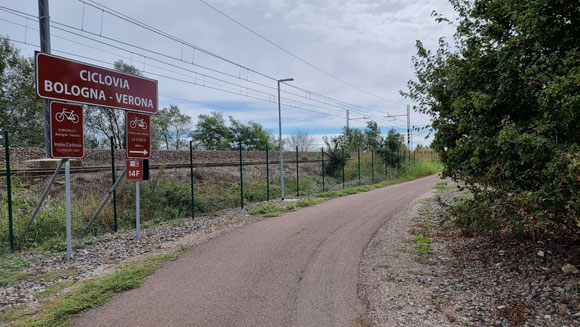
x=9, y=191
x=138, y=133
x=68, y=211
x=138, y=209
x=135, y=172
x=44, y=29
x=67, y=141
x=58, y=78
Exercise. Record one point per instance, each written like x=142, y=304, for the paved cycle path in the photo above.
x=300, y=270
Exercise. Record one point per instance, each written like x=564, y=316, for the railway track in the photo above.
x=33, y=172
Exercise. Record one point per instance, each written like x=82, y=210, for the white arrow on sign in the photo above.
x=144, y=152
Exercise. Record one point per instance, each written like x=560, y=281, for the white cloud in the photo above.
x=365, y=42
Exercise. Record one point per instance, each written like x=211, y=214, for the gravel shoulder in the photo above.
x=297, y=270
x=99, y=256
x=465, y=281
x=397, y=290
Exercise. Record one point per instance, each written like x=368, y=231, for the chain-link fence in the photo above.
x=220, y=180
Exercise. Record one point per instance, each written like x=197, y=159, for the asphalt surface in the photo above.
x=300, y=269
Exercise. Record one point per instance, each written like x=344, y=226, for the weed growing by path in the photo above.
x=55, y=289
x=388, y=278
x=58, y=311
x=423, y=261
x=13, y=277
x=362, y=322
x=423, y=246
x=276, y=210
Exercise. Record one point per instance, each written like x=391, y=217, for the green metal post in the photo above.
x=297, y=177
x=358, y=166
x=9, y=190
x=114, y=178
x=191, y=179
x=241, y=178
x=343, y=164
x=322, y=151
x=267, y=173
x=372, y=166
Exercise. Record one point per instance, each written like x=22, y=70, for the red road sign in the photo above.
x=66, y=130
x=134, y=170
x=138, y=135
x=59, y=78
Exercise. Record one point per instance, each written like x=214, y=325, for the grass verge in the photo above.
x=8, y=277
x=59, y=309
x=419, y=170
x=276, y=210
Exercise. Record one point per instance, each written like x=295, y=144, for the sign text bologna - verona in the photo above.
x=64, y=79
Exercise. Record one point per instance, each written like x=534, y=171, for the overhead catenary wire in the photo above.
x=235, y=109
x=120, y=15
x=182, y=99
x=189, y=82
x=291, y=102
x=146, y=26
x=374, y=116
x=326, y=100
x=293, y=55
x=129, y=19
x=178, y=98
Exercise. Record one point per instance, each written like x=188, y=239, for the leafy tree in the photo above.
x=211, y=132
x=393, y=147
x=108, y=122
x=105, y=123
x=372, y=136
x=334, y=153
x=169, y=125
x=300, y=139
x=252, y=136
x=367, y=139
x=21, y=113
x=352, y=138
x=181, y=124
x=394, y=141
x=121, y=66
x=505, y=102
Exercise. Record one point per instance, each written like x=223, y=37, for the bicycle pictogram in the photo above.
x=70, y=115
x=138, y=122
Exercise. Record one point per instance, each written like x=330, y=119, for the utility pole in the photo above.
x=44, y=28
x=348, y=119
x=394, y=116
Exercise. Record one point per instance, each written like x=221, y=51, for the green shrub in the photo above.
x=48, y=228
x=508, y=124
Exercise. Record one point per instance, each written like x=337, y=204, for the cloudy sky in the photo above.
x=342, y=55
